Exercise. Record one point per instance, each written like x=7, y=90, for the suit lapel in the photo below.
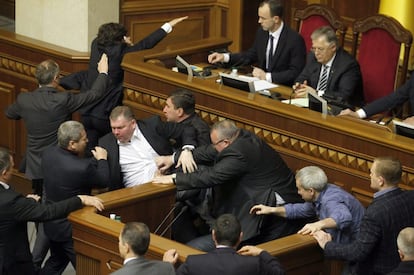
x=280, y=45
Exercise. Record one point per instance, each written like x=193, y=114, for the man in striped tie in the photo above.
x=330, y=71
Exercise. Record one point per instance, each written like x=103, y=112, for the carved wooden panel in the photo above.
x=7, y=138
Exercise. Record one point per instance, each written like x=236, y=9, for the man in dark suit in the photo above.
x=44, y=109
x=133, y=145
x=330, y=71
x=388, y=103
x=134, y=241
x=67, y=174
x=278, y=51
x=112, y=41
x=375, y=247
x=243, y=170
x=16, y=210
x=225, y=259
x=405, y=243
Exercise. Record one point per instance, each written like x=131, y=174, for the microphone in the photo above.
x=183, y=209
x=167, y=216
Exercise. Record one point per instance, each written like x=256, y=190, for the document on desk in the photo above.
x=301, y=102
x=259, y=85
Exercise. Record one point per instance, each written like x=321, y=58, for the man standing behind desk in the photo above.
x=330, y=71
x=67, y=174
x=375, y=247
x=278, y=51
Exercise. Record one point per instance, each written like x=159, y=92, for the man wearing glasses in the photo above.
x=330, y=71
x=243, y=170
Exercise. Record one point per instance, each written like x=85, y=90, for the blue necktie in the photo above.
x=323, y=81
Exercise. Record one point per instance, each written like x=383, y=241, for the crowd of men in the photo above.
x=239, y=189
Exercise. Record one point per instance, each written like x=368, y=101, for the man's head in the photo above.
x=270, y=14
x=385, y=173
x=72, y=136
x=179, y=106
x=6, y=165
x=47, y=73
x=405, y=243
x=227, y=231
x=223, y=133
x=123, y=123
x=310, y=181
x=110, y=34
x=134, y=240
x=324, y=44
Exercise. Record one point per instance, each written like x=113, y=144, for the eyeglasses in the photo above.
x=318, y=49
x=218, y=142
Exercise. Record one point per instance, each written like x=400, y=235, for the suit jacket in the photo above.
x=375, y=248
x=226, y=261
x=158, y=134
x=43, y=110
x=147, y=267
x=246, y=173
x=344, y=82
x=15, y=211
x=202, y=131
x=66, y=175
x=406, y=267
x=394, y=99
x=83, y=80
x=288, y=60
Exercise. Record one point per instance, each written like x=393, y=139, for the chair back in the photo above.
x=376, y=45
x=315, y=16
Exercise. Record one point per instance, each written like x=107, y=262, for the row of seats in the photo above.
x=377, y=41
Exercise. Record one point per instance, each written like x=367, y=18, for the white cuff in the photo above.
x=268, y=77
x=226, y=57
x=361, y=113
x=167, y=27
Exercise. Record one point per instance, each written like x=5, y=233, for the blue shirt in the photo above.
x=333, y=202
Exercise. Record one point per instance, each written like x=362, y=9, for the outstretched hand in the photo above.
x=249, y=250
x=103, y=64
x=175, y=21
x=186, y=161
x=92, y=201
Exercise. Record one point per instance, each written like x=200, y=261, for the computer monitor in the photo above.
x=317, y=103
x=237, y=82
x=403, y=129
x=183, y=66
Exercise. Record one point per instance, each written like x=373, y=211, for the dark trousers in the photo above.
x=61, y=253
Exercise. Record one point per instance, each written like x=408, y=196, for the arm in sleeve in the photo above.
x=148, y=42
x=13, y=111
x=339, y=212
x=99, y=173
x=349, y=83
x=269, y=265
x=299, y=210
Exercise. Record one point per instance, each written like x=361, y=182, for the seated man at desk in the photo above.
x=278, y=51
x=388, y=103
x=243, y=170
x=330, y=71
x=133, y=145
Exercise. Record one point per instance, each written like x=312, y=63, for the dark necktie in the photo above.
x=270, y=53
x=323, y=81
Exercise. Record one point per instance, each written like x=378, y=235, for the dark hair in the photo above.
x=110, y=34
x=46, y=72
x=227, y=230
x=183, y=99
x=4, y=159
x=275, y=7
x=137, y=236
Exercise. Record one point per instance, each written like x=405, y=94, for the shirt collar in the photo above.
x=382, y=192
x=329, y=63
x=277, y=33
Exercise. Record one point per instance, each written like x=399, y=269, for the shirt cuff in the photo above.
x=320, y=93
x=361, y=113
x=268, y=77
x=226, y=57
x=167, y=27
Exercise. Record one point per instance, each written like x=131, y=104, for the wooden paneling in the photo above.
x=7, y=8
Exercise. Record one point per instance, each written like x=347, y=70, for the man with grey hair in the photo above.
x=330, y=71
x=339, y=212
x=405, y=243
x=243, y=170
x=67, y=174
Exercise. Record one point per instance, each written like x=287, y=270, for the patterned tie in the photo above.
x=323, y=81
x=270, y=53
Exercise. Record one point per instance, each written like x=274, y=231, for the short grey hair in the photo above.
x=405, y=241
x=312, y=177
x=69, y=130
x=327, y=32
x=226, y=129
